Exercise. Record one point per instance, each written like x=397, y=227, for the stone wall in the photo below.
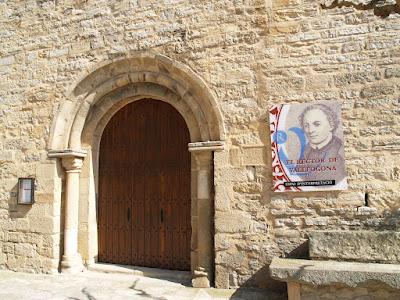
x=307, y=54
x=251, y=54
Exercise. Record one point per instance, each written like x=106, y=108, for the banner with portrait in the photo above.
x=307, y=147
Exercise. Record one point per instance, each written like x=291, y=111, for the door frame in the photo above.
x=202, y=208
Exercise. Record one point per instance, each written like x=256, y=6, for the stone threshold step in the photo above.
x=183, y=277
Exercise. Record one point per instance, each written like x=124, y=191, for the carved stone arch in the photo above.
x=101, y=113
x=156, y=69
x=76, y=134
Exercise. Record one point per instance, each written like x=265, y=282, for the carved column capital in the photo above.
x=72, y=163
x=71, y=159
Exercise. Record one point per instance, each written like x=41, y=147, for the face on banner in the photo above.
x=307, y=147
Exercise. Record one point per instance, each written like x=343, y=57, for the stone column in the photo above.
x=202, y=212
x=72, y=161
x=71, y=260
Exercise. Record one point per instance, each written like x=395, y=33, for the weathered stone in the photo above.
x=253, y=155
x=342, y=80
x=320, y=273
x=292, y=212
x=44, y=225
x=289, y=222
x=7, y=156
x=224, y=197
x=320, y=221
x=226, y=258
x=392, y=72
x=22, y=225
x=5, y=61
x=15, y=262
x=24, y=250
x=221, y=243
x=3, y=258
x=8, y=248
x=221, y=276
x=367, y=246
x=377, y=91
x=232, y=222
x=16, y=237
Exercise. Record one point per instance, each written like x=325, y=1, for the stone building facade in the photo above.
x=67, y=66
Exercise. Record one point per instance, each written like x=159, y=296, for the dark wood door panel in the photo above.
x=144, y=188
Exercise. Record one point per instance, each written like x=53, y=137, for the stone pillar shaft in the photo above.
x=71, y=260
x=71, y=211
x=203, y=272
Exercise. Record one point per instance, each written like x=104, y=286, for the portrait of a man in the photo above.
x=307, y=146
x=319, y=123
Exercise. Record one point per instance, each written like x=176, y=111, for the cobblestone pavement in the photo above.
x=92, y=285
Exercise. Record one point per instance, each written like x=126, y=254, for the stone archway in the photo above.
x=76, y=134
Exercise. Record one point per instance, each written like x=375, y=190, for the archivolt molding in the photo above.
x=102, y=112
x=101, y=92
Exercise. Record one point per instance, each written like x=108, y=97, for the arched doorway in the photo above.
x=144, y=187
x=75, y=140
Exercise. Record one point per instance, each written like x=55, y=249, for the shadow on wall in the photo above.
x=381, y=8
x=390, y=220
x=276, y=290
x=273, y=289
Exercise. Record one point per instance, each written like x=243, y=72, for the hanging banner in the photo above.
x=307, y=147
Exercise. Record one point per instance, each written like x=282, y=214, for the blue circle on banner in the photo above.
x=280, y=137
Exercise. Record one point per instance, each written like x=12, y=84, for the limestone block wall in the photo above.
x=307, y=54
x=251, y=54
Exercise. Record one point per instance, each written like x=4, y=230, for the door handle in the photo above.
x=128, y=214
x=162, y=215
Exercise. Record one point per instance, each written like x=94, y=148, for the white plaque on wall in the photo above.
x=307, y=147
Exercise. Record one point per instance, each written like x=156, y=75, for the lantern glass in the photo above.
x=26, y=188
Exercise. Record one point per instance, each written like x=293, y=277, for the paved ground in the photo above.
x=94, y=285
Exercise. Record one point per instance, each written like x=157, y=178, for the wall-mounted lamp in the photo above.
x=26, y=191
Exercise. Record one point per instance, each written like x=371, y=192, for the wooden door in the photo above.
x=144, y=188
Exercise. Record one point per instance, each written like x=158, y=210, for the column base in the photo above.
x=72, y=264
x=200, y=278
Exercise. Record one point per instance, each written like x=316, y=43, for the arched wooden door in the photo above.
x=144, y=188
